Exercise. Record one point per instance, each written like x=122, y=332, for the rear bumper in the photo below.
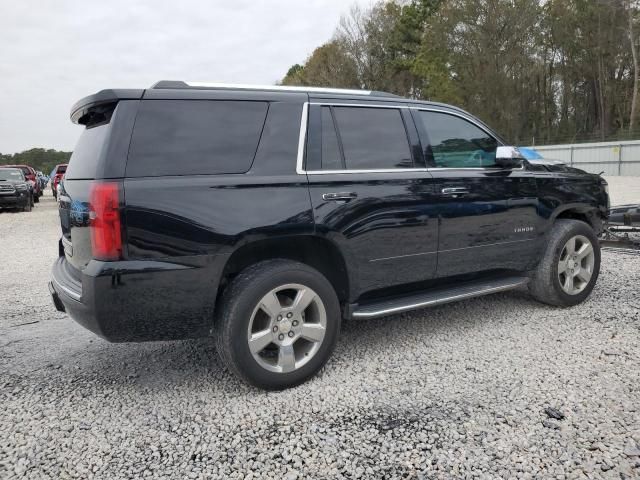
x=140, y=300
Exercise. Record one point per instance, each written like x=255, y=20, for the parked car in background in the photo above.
x=15, y=191
x=42, y=180
x=56, y=176
x=265, y=216
x=31, y=177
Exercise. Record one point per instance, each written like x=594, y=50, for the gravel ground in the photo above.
x=458, y=391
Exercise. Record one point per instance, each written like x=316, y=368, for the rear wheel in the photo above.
x=278, y=323
x=36, y=198
x=570, y=266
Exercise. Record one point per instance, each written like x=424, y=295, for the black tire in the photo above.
x=36, y=198
x=545, y=285
x=237, y=305
x=28, y=205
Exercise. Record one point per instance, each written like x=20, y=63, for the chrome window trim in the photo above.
x=365, y=105
x=379, y=170
x=459, y=115
x=303, y=137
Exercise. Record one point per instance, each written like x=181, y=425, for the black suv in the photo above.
x=15, y=192
x=265, y=216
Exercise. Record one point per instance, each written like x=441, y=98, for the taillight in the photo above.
x=106, y=241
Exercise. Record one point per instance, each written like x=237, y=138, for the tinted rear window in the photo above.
x=88, y=152
x=187, y=137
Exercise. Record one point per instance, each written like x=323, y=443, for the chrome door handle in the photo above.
x=454, y=191
x=339, y=196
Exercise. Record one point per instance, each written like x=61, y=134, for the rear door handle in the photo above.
x=454, y=191
x=339, y=196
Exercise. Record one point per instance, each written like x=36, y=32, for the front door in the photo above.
x=488, y=215
x=370, y=195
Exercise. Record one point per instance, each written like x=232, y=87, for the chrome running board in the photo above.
x=438, y=296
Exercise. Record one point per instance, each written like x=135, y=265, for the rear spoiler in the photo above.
x=104, y=97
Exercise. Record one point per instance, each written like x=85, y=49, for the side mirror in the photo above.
x=508, y=157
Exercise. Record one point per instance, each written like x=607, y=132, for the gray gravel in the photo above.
x=467, y=390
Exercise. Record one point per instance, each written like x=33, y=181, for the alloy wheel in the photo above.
x=287, y=328
x=575, y=266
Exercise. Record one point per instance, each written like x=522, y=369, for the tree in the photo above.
x=634, y=54
x=538, y=72
x=328, y=66
x=38, y=158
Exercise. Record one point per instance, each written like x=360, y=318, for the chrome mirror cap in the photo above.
x=509, y=153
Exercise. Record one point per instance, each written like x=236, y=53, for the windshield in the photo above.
x=11, y=174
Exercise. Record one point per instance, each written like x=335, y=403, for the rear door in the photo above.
x=367, y=179
x=488, y=215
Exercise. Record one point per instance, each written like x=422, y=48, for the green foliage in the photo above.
x=538, y=72
x=328, y=66
x=38, y=158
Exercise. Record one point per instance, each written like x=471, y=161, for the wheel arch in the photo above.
x=317, y=252
x=585, y=213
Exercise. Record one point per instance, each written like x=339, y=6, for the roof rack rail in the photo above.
x=178, y=84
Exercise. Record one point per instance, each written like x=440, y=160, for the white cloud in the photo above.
x=54, y=53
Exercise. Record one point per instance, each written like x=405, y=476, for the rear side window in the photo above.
x=331, y=158
x=87, y=153
x=190, y=137
x=372, y=138
x=457, y=143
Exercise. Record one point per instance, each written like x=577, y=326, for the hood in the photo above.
x=13, y=182
x=546, y=161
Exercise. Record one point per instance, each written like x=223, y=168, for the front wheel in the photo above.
x=278, y=323
x=28, y=204
x=570, y=266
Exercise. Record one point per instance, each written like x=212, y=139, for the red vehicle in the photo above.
x=32, y=179
x=57, y=176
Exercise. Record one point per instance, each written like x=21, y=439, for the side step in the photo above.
x=438, y=296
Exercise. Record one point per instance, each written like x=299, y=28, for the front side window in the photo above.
x=457, y=143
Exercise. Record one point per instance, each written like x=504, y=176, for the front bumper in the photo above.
x=139, y=300
x=14, y=200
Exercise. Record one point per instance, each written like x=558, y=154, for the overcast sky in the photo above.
x=56, y=52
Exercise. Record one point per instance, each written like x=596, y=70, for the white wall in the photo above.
x=624, y=190
x=612, y=158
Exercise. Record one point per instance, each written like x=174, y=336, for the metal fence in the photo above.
x=612, y=158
